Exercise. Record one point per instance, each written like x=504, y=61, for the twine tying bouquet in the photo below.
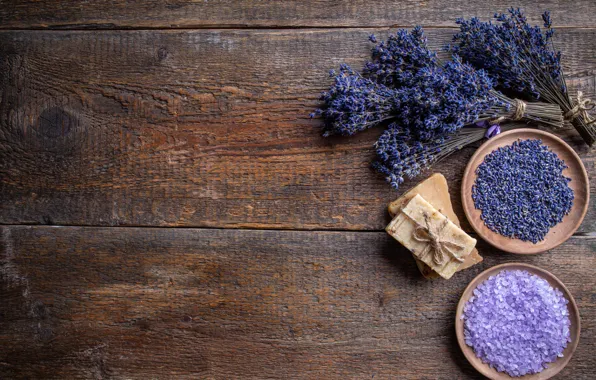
x=581, y=108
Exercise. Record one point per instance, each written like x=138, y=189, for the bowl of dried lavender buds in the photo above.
x=517, y=320
x=525, y=191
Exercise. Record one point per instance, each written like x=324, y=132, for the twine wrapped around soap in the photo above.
x=432, y=233
x=581, y=107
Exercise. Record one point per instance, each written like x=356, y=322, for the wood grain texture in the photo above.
x=137, y=303
x=272, y=13
x=202, y=128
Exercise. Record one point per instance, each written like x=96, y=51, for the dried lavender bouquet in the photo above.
x=404, y=61
x=428, y=103
x=401, y=156
x=522, y=59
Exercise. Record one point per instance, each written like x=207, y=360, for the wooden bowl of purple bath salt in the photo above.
x=517, y=321
x=525, y=191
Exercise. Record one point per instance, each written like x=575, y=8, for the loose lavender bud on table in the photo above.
x=521, y=190
x=517, y=323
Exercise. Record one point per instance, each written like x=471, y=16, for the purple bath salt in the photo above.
x=516, y=322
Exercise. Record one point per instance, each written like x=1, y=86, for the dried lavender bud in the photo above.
x=521, y=191
x=517, y=323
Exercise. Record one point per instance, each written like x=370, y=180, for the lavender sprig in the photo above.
x=402, y=156
x=521, y=58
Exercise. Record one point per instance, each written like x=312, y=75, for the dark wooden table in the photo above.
x=170, y=211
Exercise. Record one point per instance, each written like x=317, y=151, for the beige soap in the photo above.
x=435, y=191
x=431, y=237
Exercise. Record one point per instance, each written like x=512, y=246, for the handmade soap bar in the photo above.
x=435, y=191
x=431, y=237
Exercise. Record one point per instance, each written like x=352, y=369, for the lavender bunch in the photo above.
x=522, y=59
x=428, y=103
x=440, y=100
x=401, y=155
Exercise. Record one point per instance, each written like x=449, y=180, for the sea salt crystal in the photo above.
x=517, y=328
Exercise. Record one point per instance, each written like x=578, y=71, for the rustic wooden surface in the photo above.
x=115, y=136
x=85, y=14
x=200, y=128
x=84, y=302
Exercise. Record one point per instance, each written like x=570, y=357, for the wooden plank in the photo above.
x=200, y=128
x=272, y=13
x=140, y=303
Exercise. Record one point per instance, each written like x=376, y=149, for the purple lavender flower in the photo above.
x=396, y=60
x=518, y=56
x=400, y=155
x=429, y=99
x=522, y=59
x=355, y=103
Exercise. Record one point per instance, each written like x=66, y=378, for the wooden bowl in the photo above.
x=579, y=184
x=554, y=367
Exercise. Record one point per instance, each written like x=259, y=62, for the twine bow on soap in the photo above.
x=432, y=233
x=581, y=107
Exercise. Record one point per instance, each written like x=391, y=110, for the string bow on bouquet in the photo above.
x=423, y=103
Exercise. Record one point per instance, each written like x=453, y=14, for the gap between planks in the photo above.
x=232, y=27
x=577, y=235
